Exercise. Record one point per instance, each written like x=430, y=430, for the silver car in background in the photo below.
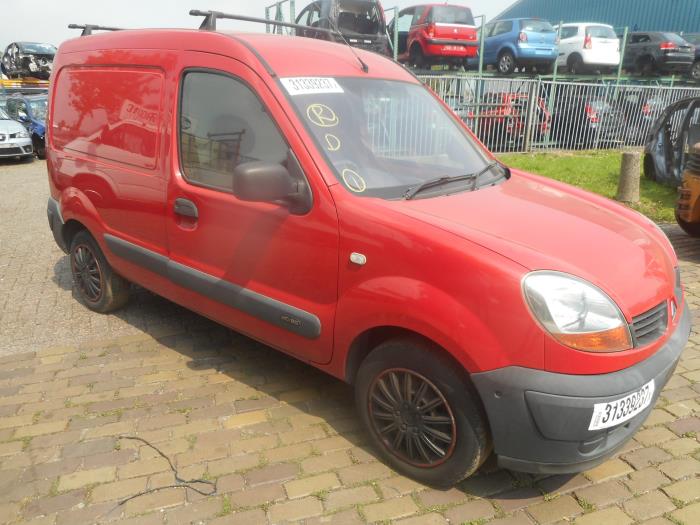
x=14, y=138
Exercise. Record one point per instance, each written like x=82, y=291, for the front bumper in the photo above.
x=539, y=420
x=16, y=148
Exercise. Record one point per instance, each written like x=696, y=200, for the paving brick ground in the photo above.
x=280, y=439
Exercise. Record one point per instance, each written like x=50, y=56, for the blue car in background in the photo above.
x=520, y=43
x=30, y=110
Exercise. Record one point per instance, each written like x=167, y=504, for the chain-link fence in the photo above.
x=524, y=115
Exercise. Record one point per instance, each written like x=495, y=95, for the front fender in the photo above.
x=420, y=308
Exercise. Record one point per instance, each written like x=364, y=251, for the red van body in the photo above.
x=139, y=188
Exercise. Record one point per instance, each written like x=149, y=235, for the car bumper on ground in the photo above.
x=16, y=148
x=539, y=420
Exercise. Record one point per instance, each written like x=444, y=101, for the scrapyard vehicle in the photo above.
x=28, y=59
x=670, y=140
x=361, y=22
x=322, y=200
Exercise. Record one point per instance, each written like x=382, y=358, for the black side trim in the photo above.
x=136, y=254
x=270, y=310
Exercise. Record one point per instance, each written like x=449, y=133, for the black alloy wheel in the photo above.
x=412, y=417
x=87, y=274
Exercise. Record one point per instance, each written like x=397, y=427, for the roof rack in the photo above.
x=89, y=28
x=210, y=18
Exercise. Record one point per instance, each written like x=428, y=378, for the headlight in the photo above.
x=23, y=134
x=576, y=313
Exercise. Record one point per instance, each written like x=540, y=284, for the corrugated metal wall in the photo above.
x=642, y=15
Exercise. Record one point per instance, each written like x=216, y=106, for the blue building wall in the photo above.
x=643, y=15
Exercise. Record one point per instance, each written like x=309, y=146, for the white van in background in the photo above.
x=588, y=47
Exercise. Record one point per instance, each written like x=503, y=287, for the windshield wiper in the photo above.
x=415, y=190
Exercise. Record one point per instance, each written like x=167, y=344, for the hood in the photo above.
x=8, y=127
x=542, y=224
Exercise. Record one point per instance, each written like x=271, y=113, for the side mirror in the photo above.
x=262, y=182
x=22, y=117
x=270, y=182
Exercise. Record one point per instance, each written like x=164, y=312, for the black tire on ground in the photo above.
x=575, y=64
x=406, y=387
x=417, y=57
x=506, y=63
x=691, y=228
x=39, y=147
x=695, y=71
x=96, y=284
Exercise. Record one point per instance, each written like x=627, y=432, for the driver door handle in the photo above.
x=186, y=208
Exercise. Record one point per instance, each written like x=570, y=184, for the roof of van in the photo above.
x=284, y=56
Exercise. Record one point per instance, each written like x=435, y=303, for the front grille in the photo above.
x=649, y=326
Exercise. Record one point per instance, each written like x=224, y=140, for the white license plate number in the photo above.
x=606, y=415
x=5, y=145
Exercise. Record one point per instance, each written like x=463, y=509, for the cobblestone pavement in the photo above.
x=280, y=439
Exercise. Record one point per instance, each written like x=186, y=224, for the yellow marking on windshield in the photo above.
x=354, y=181
x=332, y=142
x=322, y=115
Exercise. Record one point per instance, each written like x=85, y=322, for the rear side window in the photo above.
x=676, y=39
x=600, y=32
x=447, y=14
x=536, y=26
x=360, y=16
x=223, y=124
x=569, y=32
x=110, y=113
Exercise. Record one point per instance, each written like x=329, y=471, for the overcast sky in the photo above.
x=46, y=20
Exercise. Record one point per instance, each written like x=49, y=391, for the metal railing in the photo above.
x=525, y=115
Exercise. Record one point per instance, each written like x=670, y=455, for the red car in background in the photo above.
x=436, y=33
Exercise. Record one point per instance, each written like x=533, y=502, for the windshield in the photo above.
x=39, y=49
x=360, y=16
x=452, y=15
x=382, y=137
x=3, y=115
x=38, y=108
x=536, y=26
x=600, y=32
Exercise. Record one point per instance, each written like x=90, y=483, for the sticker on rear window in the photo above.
x=311, y=85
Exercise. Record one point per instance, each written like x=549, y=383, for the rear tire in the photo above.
x=506, y=63
x=417, y=57
x=96, y=284
x=691, y=228
x=422, y=413
x=575, y=64
x=695, y=71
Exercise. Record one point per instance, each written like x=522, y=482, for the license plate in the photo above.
x=5, y=145
x=451, y=48
x=606, y=415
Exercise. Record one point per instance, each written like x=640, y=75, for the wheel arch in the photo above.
x=364, y=343
x=70, y=229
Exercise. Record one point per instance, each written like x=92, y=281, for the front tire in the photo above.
x=422, y=413
x=96, y=284
x=39, y=147
x=691, y=228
